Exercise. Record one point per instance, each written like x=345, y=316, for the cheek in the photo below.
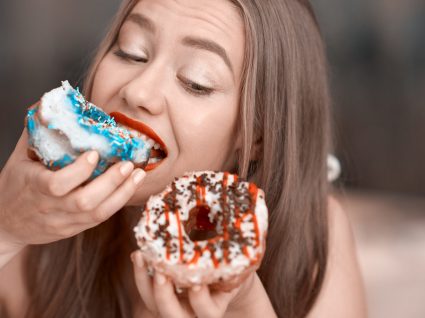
x=209, y=138
x=106, y=84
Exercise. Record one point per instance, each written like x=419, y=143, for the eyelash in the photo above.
x=129, y=57
x=196, y=89
x=190, y=86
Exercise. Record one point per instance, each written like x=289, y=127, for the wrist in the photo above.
x=8, y=248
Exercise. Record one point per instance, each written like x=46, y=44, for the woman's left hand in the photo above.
x=161, y=300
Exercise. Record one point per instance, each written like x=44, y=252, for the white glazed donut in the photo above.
x=205, y=228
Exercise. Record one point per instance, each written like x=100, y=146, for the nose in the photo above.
x=143, y=90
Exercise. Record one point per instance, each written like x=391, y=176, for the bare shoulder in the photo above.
x=342, y=294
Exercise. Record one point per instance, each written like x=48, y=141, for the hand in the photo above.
x=41, y=206
x=161, y=301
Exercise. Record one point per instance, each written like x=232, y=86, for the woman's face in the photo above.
x=176, y=67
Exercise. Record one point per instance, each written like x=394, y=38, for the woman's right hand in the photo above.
x=40, y=206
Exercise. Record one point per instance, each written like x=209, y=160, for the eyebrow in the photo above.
x=142, y=21
x=208, y=45
x=195, y=42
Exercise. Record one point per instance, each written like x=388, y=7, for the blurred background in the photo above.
x=376, y=51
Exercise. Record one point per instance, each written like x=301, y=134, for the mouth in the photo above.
x=158, y=149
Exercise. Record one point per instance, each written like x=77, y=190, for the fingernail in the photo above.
x=196, y=288
x=92, y=157
x=126, y=167
x=160, y=279
x=138, y=175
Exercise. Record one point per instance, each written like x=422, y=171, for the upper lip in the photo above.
x=139, y=126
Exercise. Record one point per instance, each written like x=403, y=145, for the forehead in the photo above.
x=215, y=20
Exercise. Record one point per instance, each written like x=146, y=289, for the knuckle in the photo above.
x=54, y=188
x=48, y=228
x=53, y=227
x=84, y=203
x=98, y=216
x=67, y=231
x=44, y=210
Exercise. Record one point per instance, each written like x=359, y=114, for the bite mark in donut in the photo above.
x=64, y=124
x=158, y=152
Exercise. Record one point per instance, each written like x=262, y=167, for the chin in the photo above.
x=154, y=183
x=143, y=193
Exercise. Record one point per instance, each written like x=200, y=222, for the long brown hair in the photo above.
x=284, y=128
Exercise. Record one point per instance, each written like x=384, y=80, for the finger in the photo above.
x=166, y=300
x=207, y=304
x=143, y=281
x=61, y=182
x=88, y=197
x=115, y=201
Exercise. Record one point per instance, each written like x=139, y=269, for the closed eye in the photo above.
x=130, y=57
x=195, y=88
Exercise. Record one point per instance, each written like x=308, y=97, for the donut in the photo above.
x=204, y=228
x=64, y=124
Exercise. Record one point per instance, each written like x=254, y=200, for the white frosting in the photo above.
x=56, y=109
x=51, y=145
x=181, y=261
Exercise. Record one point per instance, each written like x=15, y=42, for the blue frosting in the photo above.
x=64, y=161
x=31, y=124
x=123, y=146
x=94, y=120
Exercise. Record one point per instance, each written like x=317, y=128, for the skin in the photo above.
x=162, y=90
x=189, y=96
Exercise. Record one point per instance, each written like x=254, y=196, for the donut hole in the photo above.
x=199, y=226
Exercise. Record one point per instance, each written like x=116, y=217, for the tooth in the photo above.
x=154, y=160
x=156, y=146
x=150, y=142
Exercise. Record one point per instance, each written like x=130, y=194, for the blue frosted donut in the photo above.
x=64, y=125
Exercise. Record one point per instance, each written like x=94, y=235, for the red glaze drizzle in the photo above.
x=200, y=251
x=253, y=190
x=203, y=223
x=177, y=213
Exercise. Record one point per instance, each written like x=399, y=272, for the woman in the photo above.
x=227, y=85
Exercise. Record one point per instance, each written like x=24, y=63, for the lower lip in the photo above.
x=130, y=123
x=152, y=166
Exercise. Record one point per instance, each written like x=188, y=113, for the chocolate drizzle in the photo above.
x=236, y=201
